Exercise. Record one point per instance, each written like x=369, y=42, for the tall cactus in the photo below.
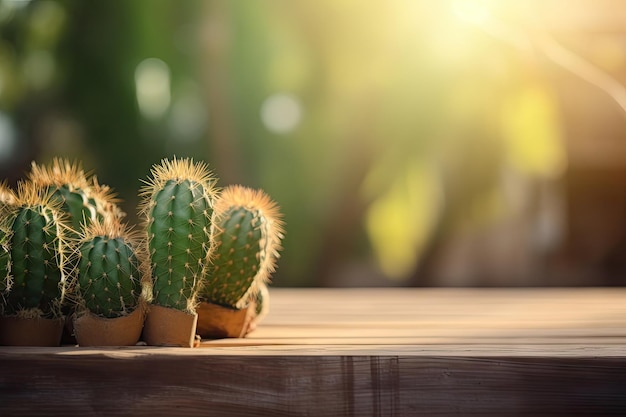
x=38, y=250
x=247, y=230
x=80, y=195
x=108, y=274
x=177, y=205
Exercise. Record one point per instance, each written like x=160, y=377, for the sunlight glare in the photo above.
x=471, y=11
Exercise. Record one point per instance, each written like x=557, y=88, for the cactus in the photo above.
x=246, y=235
x=82, y=197
x=177, y=208
x=6, y=199
x=37, y=237
x=108, y=274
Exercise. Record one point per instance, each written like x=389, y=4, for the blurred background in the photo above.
x=408, y=142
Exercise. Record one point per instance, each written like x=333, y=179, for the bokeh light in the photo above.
x=281, y=113
x=152, y=80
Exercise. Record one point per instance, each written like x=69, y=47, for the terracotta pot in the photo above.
x=92, y=330
x=216, y=321
x=17, y=331
x=169, y=327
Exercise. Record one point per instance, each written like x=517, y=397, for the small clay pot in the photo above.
x=92, y=330
x=17, y=331
x=217, y=322
x=169, y=327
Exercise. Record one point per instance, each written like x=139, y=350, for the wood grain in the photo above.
x=355, y=352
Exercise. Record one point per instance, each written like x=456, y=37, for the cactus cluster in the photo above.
x=217, y=246
x=64, y=247
x=41, y=227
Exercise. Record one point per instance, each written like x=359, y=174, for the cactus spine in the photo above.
x=7, y=196
x=6, y=199
x=5, y=269
x=38, y=251
x=177, y=205
x=246, y=235
x=109, y=271
x=262, y=301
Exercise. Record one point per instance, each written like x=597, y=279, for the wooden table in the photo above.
x=355, y=352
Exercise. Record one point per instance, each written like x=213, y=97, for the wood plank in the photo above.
x=355, y=352
x=283, y=385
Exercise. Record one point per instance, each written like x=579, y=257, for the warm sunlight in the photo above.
x=409, y=142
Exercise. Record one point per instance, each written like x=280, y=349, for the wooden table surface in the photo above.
x=355, y=352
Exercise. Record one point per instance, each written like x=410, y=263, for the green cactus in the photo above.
x=108, y=273
x=82, y=197
x=38, y=251
x=177, y=207
x=246, y=236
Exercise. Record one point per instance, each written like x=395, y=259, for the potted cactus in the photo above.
x=107, y=285
x=37, y=237
x=81, y=198
x=177, y=205
x=64, y=251
x=246, y=235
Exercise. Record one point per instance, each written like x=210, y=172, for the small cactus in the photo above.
x=109, y=271
x=177, y=208
x=81, y=196
x=246, y=236
x=37, y=237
